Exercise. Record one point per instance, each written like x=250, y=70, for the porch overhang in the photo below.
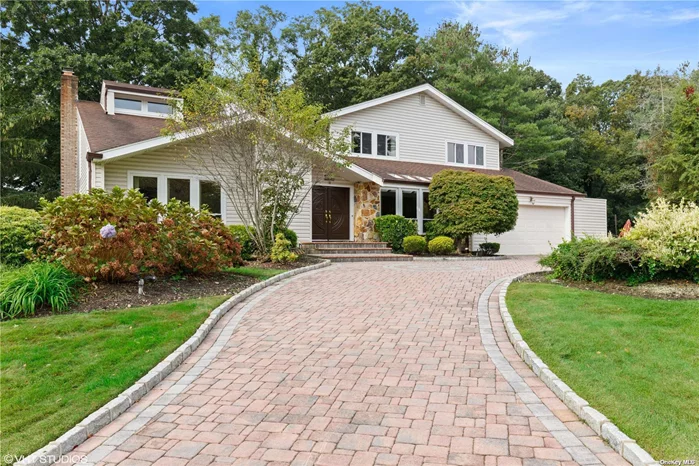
x=355, y=173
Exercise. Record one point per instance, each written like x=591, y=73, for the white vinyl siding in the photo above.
x=422, y=130
x=169, y=161
x=590, y=217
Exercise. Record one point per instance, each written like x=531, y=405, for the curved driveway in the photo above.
x=364, y=363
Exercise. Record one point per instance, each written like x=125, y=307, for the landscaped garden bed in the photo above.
x=632, y=358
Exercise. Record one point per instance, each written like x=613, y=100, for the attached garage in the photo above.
x=538, y=229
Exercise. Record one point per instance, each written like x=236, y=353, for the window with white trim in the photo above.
x=192, y=190
x=465, y=154
x=361, y=143
x=385, y=145
x=411, y=203
x=374, y=143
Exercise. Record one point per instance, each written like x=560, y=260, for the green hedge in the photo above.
x=393, y=228
x=19, y=231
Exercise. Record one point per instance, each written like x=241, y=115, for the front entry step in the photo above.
x=363, y=257
x=353, y=251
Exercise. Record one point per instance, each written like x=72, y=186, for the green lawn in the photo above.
x=634, y=359
x=256, y=272
x=56, y=370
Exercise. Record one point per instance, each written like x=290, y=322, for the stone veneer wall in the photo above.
x=367, y=202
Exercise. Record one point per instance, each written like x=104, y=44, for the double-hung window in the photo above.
x=459, y=153
x=194, y=191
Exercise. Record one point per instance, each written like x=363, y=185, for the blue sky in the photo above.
x=603, y=39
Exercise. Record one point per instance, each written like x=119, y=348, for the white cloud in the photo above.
x=512, y=23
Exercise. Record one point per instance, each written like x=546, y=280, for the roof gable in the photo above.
x=441, y=98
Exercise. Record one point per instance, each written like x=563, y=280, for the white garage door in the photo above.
x=537, y=229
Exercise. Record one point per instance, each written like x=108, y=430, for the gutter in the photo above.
x=90, y=157
x=572, y=217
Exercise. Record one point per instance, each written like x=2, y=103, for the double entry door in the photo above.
x=331, y=213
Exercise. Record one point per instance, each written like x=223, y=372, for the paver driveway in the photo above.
x=368, y=363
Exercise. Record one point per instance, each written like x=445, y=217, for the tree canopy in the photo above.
x=626, y=140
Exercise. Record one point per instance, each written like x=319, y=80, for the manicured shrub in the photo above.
x=414, y=244
x=393, y=228
x=281, y=251
x=488, y=249
x=24, y=289
x=441, y=245
x=118, y=235
x=469, y=203
x=592, y=259
x=19, y=230
x=291, y=236
x=242, y=235
x=669, y=234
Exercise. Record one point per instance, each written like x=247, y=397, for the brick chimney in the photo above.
x=69, y=133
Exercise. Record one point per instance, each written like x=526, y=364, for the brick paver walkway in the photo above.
x=365, y=363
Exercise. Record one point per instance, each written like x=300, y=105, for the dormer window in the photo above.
x=131, y=99
x=127, y=104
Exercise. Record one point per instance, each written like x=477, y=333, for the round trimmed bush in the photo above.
x=393, y=228
x=291, y=236
x=488, y=249
x=441, y=245
x=414, y=244
x=19, y=231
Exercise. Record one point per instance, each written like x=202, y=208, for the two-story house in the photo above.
x=398, y=143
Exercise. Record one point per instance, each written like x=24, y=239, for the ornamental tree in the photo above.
x=469, y=203
x=266, y=149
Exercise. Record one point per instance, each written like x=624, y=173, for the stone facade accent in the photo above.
x=69, y=133
x=367, y=202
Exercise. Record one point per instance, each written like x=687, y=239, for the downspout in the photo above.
x=572, y=217
x=90, y=157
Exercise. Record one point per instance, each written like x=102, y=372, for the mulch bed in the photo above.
x=662, y=289
x=99, y=296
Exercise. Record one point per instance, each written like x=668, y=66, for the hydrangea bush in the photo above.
x=118, y=235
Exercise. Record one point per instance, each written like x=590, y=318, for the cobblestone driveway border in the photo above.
x=622, y=443
x=110, y=411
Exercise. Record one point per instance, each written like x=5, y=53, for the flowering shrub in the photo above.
x=19, y=230
x=117, y=235
x=281, y=251
x=669, y=234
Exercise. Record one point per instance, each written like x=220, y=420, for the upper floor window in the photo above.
x=385, y=145
x=465, y=154
x=375, y=144
x=127, y=104
x=158, y=107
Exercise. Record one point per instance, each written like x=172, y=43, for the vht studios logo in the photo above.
x=678, y=462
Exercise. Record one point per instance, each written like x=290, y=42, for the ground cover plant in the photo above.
x=633, y=359
x=88, y=359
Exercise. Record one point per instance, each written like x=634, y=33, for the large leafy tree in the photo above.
x=678, y=171
x=139, y=42
x=510, y=94
x=350, y=54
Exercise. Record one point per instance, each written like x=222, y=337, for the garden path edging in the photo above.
x=620, y=442
x=110, y=411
